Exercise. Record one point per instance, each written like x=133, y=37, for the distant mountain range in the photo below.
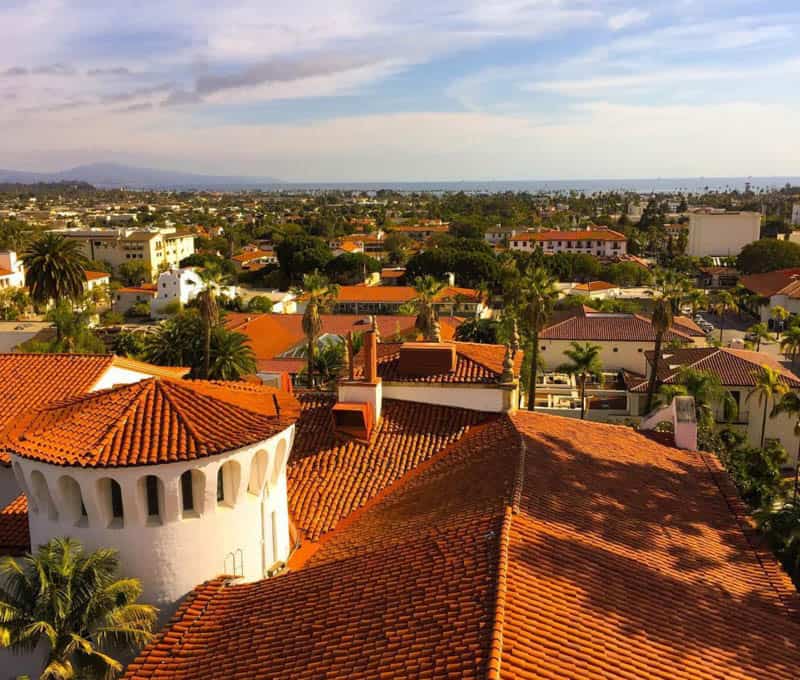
x=115, y=175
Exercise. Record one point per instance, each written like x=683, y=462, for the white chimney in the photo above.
x=368, y=390
x=681, y=413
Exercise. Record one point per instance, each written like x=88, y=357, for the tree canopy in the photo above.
x=768, y=255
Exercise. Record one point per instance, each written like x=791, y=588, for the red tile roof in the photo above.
x=273, y=334
x=150, y=422
x=593, y=286
x=475, y=364
x=145, y=288
x=330, y=477
x=533, y=547
x=31, y=380
x=769, y=283
x=599, y=326
x=582, y=235
x=734, y=367
x=94, y=276
x=15, y=537
x=401, y=294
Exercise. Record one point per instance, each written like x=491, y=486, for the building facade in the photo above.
x=720, y=233
x=157, y=249
x=599, y=242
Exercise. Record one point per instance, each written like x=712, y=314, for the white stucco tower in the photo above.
x=186, y=479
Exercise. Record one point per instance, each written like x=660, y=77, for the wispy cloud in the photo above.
x=627, y=18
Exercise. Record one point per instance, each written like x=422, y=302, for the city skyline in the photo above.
x=382, y=92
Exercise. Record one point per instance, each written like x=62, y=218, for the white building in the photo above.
x=721, y=233
x=594, y=241
x=12, y=272
x=796, y=215
x=181, y=286
x=178, y=489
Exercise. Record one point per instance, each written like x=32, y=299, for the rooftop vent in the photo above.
x=353, y=419
x=420, y=359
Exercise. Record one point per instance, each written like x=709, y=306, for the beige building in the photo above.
x=158, y=249
x=721, y=233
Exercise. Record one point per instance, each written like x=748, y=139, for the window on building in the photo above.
x=116, y=500
x=151, y=489
x=187, y=493
x=220, y=486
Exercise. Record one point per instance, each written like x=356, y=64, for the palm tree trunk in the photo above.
x=583, y=397
x=651, y=388
x=764, y=422
x=310, y=353
x=206, y=349
x=533, y=371
x=796, y=473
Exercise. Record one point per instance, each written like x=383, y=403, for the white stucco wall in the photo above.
x=722, y=233
x=473, y=397
x=118, y=376
x=613, y=355
x=245, y=535
x=9, y=489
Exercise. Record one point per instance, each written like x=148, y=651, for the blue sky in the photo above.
x=378, y=90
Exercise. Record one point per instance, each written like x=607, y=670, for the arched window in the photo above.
x=187, y=493
x=151, y=497
x=258, y=473
x=20, y=476
x=228, y=477
x=42, y=493
x=117, y=510
x=72, y=501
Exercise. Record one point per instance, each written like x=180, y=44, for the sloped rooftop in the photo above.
x=532, y=547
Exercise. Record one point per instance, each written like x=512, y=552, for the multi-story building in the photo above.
x=12, y=273
x=593, y=241
x=181, y=285
x=720, y=232
x=156, y=248
x=796, y=215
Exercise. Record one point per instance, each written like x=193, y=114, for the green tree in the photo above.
x=760, y=333
x=661, y=320
x=212, y=279
x=134, y=273
x=301, y=255
x=779, y=315
x=768, y=255
x=350, y=268
x=426, y=288
x=129, y=344
x=176, y=341
x=769, y=386
x=76, y=605
x=231, y=356
x=708, y=392
x=320, y=294
x=790, y=343
x=789, y=403
x=534, y=295
x=722, y=304
x=584, y=363
x=259, y=304
x=54, y=269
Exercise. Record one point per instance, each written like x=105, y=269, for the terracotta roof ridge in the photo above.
x=179, y=415
x=113, y=427
x=413, y=473
x=501, y=590
x=189, y=614
x=778, y=579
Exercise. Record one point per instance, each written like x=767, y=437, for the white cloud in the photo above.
x=628, y=18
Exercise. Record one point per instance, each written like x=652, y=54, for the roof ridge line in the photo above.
x=778, y=579
x=501, y=590
x=413, y=473
x=178, y=414
x=115, y=426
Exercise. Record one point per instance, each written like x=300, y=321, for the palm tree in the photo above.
x=790, y=343
x=779, y=315
x=790, y=403
x=232, y=358
x=212, y=278
x=697, y=300
x=584, y=363
x=427, y=288
x=760, y=333
x=661, y=321
x=55, y=269
x=769, y=385
x=707, y=390
x=76, y=605
x=320, y=295
x=174, y=342
x=535, y=294
x=722, y=303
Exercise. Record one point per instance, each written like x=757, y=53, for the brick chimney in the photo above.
x=354, y=394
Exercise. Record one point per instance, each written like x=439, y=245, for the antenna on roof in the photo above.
x=277, y=404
